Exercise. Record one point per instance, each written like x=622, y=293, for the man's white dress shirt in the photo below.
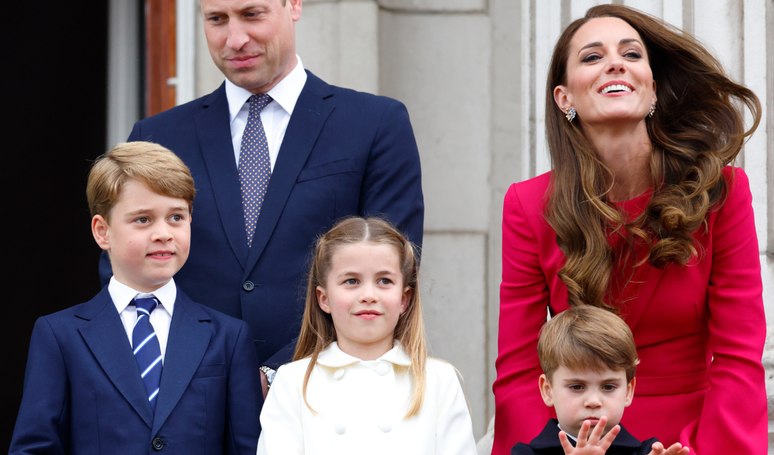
x=275, y=116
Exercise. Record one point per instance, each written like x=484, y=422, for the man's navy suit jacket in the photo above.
x=344, y=153
x=83, y=392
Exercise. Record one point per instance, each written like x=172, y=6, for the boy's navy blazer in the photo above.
x=343, y=153
x=83, y=392
x=547, y=443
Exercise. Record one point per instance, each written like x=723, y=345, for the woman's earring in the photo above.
x=652, y=109
x=569, y=114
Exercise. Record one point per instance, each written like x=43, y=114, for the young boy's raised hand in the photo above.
x=594, y=443
x=674, y=449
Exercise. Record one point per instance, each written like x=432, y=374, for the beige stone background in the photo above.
x=472, y=74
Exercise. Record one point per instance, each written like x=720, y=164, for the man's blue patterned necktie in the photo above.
x=254, y=165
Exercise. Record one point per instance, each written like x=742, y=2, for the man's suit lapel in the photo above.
x=214, y=131
x=188, y=341
x=312, y=109
x=106, y=338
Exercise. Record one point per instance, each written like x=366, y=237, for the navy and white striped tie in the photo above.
x=146, y=348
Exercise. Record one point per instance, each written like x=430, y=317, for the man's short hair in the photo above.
x=587, y=338
x=152, y=164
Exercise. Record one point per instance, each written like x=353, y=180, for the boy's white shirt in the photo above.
x=360, y=407
x=122, y=295
x=574, y=438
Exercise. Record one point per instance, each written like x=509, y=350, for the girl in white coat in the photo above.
x=361, y=382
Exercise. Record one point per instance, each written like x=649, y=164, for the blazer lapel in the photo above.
x=186, y=345
x=312, y=109
x=214, y=133
x=105, y=336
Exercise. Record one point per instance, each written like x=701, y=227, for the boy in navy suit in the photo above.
x=140, y=367
x=589, y=358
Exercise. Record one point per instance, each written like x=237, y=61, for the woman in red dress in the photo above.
x=643, y=215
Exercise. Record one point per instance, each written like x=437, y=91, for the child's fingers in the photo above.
x=596, y=435
x=657, y=449
x=677, y=449
x=583, y=434
x=568, y=448
x=674, y=449
x=607, y=441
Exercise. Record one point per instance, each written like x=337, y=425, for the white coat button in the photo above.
x=338, y=374
x=340, y=428
x=385, y=427
x=382, y=369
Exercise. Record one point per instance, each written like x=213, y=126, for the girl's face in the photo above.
x=365, y=296
x=608, y=74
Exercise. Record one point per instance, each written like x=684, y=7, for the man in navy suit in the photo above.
x=140, y=366
x=334, y=152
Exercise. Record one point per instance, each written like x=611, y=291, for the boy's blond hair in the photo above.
x=152, y=164
x=587, y=338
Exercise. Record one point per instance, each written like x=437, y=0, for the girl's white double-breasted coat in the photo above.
x=360, y=408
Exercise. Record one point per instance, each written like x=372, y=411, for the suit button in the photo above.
x=385, y=427
x=340, y=428
x=248, y=286
x=158, y=444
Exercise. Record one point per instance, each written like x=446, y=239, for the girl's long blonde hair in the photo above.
x=317, y=330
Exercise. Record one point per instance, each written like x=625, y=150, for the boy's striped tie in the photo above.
x=146, y=348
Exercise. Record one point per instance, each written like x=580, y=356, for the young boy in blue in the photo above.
x=140, y=367
x=589, y=358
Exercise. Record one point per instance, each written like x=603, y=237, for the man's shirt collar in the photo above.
x=285, y=93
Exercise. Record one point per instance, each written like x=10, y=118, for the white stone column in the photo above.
x=435, y=57
x=123, y=78
x=338, y=41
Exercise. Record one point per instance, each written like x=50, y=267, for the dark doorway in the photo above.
x=57, y=111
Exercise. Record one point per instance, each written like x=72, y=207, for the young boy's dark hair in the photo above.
x=114, y=376
x=589, y=360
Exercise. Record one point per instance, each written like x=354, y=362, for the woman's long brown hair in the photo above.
x=317, y=330
x=696, y=131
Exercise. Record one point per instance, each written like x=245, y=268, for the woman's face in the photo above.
x=608, y=74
